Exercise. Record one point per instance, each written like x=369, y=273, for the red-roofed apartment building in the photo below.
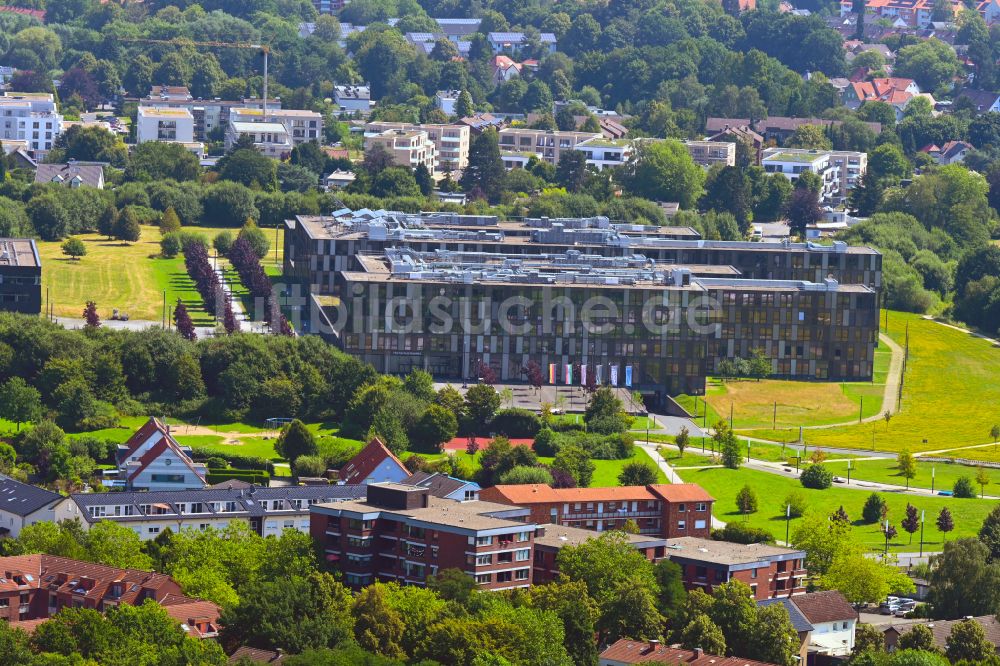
x=152, y=459
x=627, y=651
x=894, y=91
x=668, y=511
x=374, y=464
x=33, y=588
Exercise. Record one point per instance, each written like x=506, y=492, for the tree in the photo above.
x=576, y=462
x=664, y=171
x=802, y=210
x=983, y=479
x=74, y=247
x=182, y=320
x=816, y=476
x=571, y=602
x=463, y=106
x=484, y=174
x=90, y=315
x=154, y=161
x=169, y=222
x=907, y=465
x=116, y=545
x=436, y=426
x=19, y=401
x=863, y=579
x=963, y=580
x=868, y=638
x=571, y=171
x=127, y=227
x=701, y=632
x=727, y=445
x=295, y=440
x=637, y=473
x=963, y=488
x=48, y=216
x=919, y=637
x=875, y=507
x=424, y=181
x=967, y=640
x=249, y=167
x=944, y=522
x=911, y=522
x=795, y=503
x=681, y=441
x=809, y=137
x=481, y=403
x=989, y=534
x=378, y=627
x=521, y=475
x=295, y=613
x=746, y=500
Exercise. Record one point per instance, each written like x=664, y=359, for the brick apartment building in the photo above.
x=403, y=533
x=668, y=511
x=33, y=588
x=770, y=571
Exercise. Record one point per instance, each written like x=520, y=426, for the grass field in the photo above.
x=790, y=403
x=950, y=391
x=131, y=277
x=724, y=484
x=885, y=471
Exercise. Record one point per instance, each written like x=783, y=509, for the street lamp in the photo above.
x=922, y=533
x=848, y=472
x=885, y=529
x=788, y=520
x=797, y=459
x=932, y=480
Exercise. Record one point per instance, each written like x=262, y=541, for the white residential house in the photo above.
x=174, y=125
x=269, y=138
x=409, y=147
x=446, y=100
x=31, y=117
x=22, y=504
x=300, y=125
x=511, y=43
x=839, y=170
x=152, y=459
x=601, y=152
x=353, y=97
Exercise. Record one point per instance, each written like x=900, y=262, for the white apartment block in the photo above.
x=300, y=125
x=164, y=124
x=208, y=114
x=269, y=138
x=518, y=144
x=709, y=153
x=408, y=147
x=450, y=141
x=839, y=170
x=30, y=117
x=603, y=152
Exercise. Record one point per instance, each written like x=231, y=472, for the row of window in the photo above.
x=503, y=576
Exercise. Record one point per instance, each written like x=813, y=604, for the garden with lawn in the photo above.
x=131, y=277
x=789, y=404
x=950, y=392
x=771, y=489
x=886, y=470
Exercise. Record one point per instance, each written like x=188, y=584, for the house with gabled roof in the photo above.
x=825, y=622
x=22, y=504
x=71, y=174
x=152, y=459
x=374, y=464
x=444, y=486
x=33, y=588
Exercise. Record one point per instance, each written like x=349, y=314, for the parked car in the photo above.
x=944, y=493
x=889, y=606
x=905, y=606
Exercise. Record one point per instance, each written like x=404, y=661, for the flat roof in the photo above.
x=794, y=157
x=258, y=127
x=473, y=515
x=276, y=112
x=726, y=552
x=154, y=111
x=19, y=252
x=559, y=536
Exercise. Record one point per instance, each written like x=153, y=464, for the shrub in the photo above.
x=516, y=423
x=963, y=488
x=817, y=477
x=546, y=443
x=874, y=508
x=637, y=474
x=523, y=474
x=797, y=503
x=738, y=532
x=170, y=244
x=223, y=242
x=309, y=466
x=216, y=462
x=746, y=500
x=606, y=425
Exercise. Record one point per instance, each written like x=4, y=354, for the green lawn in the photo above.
x=789, y=403
x=132, y=278
x=951, y=386
x=772, y=490
x=256, y=447
x=885, y=471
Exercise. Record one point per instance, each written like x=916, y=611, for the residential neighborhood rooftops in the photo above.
x=799, y=620
x=941, y=629
x=824, y=606
x=361, y=466
x=467, y=516
x=726, y=553
x=559, y=536
x=23, y=499
x=164, y=112
x=257, y=655
x=627, y=651
x=88, y=174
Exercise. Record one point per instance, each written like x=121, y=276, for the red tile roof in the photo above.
x=827, y=606
x=681, y=492
x=148, y=429
x=627, y=651
x=254, y=654
x=199, y=616
x=367, y=461
x=537, y=493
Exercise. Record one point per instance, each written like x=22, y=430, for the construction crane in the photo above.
x=266, y=49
